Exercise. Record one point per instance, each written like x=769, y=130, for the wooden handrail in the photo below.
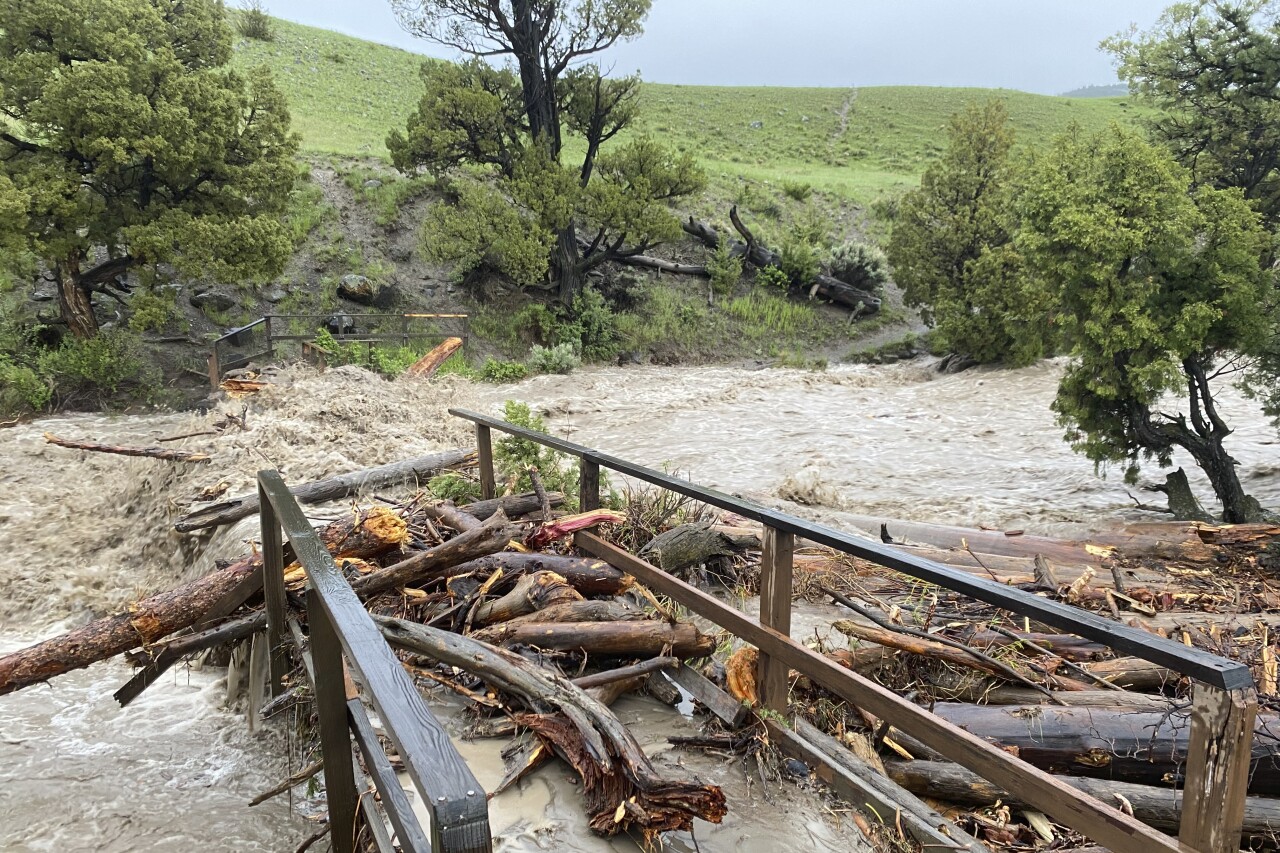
x=342, y=631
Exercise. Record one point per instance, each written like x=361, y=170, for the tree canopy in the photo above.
x=128, y=144
x=1212, y=70
x=950, y=246
x=513, y=120
x=1161, y=290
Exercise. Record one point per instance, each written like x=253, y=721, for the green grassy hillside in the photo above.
x=346, y=94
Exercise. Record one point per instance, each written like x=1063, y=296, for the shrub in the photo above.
x=500, y=372
x=255, y=23
x=773, y=278
x=513, y=457
x=859, y=264
x=725, y=269
x=799, y=261
x=812, y=225
x=797, y=190
x=21, y=388
x=454, y=487
x=560, y=358
x=151, y=310
x=95, y=370
x=590, y=328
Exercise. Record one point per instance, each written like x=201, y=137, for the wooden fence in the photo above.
x=342, y=636
x=1224, y=701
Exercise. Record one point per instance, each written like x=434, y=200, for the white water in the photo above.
x=85, y=533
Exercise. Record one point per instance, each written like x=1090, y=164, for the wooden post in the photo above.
x=335, y=736
x=484, y=448
x=775, y=613
x=588, y=485
x=215, y=369
x=273, y=591
x=1217, y=775
x=271, y=347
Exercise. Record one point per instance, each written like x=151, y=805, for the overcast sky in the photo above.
x=1043, y=46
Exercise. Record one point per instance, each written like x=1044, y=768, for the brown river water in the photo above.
x=87, y=533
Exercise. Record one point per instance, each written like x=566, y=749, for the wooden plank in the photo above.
x=729, y=710
x=1217, y=775
x=399, y=811
x=776, y=569
x=382, y=841
x=1187, y=660
x=484, y=451
x=335, y=736
x=1065, y=804
x=864, y=788
x=273, y=592
x=588, y=486
x=459, y=807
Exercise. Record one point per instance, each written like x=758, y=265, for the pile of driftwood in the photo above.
x=534, y=640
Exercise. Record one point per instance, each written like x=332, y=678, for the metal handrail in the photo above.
x=343, y=635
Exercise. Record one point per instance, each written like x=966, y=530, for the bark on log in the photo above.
x=646, y=262
x=590, y=610
x=417, y=470
x=623, y=789
x=426, y=367
x=513, y=505
x=587, y=576
x=1063, y=645
x=1145, y=747
x=146, y=622
x=1159, y=807
x=165, y=453
x=532, y=592
x=614, y=639
x=1134, y=673
x=442, y=560
x=691, y=545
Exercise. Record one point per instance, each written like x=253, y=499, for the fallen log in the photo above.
x=1159, y=807
x=611, y=639
x=623, y=789
x=164, y=453
x=693, y=544
x=587, y=575
x=442, y=560
x=513, y=505
x=1064, y=646
x=550, y=531
x=1123, y=744
x=588, y=610
x=146, y=622
x=1134, y=673
x=415, y=471
x=426, y=367
x=532, y=592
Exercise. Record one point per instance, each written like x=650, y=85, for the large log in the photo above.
x=1160, y=807
x=693, y=544
x=417, y=470
x=425, y=367
x=1147, y=747
x=146, y=622
x=442, y=560
x=587, y=575
x=589, y=610
x=513, y=505
x=623, y=789
x=535, y=591
x=647, y=637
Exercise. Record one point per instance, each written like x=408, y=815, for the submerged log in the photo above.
x=623, y=789
x=640, y=637
x=1159, y=807
x=1127, y=745
x=417, y=470
x=146, y=622
x=587, y=575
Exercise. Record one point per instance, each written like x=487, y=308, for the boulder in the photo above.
x=212, y=300
x=372, y=184
x=274, y=294
x=358, y=289
x=341, y=324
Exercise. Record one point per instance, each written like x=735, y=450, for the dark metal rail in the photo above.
x=1223, y=706
x=343, y=636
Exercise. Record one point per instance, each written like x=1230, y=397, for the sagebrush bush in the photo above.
x=859, y=264
x=21, y=388
x=797, y=190
x=254, y=22
x=560, y=358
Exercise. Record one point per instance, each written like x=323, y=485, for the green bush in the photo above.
x=152, y=310
x=811, y=225
x=454, y=487
x=799, y=261
x=859, y=264
x=95, y=371
x=255, y=23
x=560, y=358
x=725, y=269
x=773, y=278
x=500, y=372
x=797, y=190
x=21, y=388
x=513, y=457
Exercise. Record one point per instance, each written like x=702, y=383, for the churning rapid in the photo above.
x=86, y=533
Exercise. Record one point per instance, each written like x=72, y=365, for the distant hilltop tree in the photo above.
x=129, y=144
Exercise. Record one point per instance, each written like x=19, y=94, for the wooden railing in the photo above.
x=259, y=338
x=343, y=637
x=1224, y=701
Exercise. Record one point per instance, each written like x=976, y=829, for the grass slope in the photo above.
x=346, y=94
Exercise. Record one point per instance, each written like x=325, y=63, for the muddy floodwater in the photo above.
x=84, y=534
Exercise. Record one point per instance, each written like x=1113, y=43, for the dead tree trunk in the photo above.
x=612, y=639
x=587, y=576
x=531, y=593
x=623, y=789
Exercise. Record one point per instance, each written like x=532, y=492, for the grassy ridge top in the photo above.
x=346, y=94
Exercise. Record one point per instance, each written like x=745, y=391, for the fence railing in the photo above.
x=260, y=338
x=1224, y=701
x=342, y=638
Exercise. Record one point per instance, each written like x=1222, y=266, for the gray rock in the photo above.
x=372, y=184
x=44, y=295
x=341, y=324
x=213, y=300
x=757, y=125
x=357, y=289
x=796, y=768
x=274, y=294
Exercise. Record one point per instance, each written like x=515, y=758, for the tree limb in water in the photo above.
x=165, y=453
